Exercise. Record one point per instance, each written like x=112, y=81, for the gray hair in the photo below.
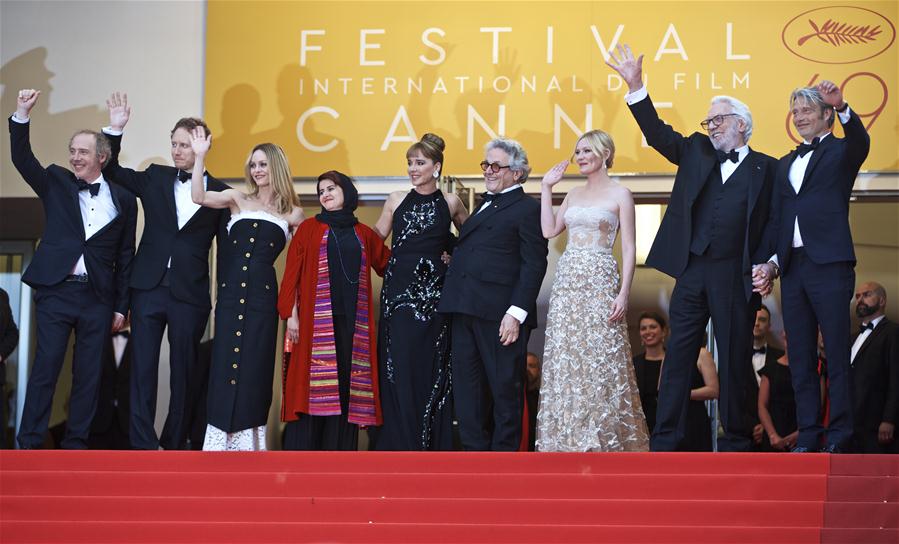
x=518, y=157
x=104, y=147
x=740, y=109
x=813, y=96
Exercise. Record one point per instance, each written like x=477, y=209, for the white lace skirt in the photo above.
x=245, y=440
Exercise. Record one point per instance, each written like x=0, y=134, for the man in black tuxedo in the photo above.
x=763, y=353
x=709, y=237
x=491, y=289
x=109, y=430
x=171, y=277
x=80, y=273
x=812, y=245
x=874, y=369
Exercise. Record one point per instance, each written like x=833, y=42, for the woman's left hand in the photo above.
x=619, y=308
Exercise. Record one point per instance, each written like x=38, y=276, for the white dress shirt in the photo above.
x=96, y=212
x=860, y=339
x=184, y=204
x=518, y=313
x=758, y=363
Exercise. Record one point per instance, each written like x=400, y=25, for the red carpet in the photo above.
x=97, y=497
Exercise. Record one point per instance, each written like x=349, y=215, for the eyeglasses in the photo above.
x=494, y=167
x=714, y=121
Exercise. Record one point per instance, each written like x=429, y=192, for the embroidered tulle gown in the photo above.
x=246, y=326
x=588, y=399
x=414, y=339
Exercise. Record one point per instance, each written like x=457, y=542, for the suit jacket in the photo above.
x=875, y=378
x=107, y=254
x=695, y=158
x=822, y=204
x=113, y=402
x=499, y=261
x=188, y=247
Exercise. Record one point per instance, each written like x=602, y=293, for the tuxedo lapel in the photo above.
x=75, y=208
x=816, y=158
x=169, y=195
x=703, y=176
x=481, y=216
x=877, y=330
x=756, y=180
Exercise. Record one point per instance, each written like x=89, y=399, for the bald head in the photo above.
x=870, y=301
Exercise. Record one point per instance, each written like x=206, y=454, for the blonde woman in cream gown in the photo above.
x=589, y=399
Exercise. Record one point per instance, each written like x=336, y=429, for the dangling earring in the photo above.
x=436, y=174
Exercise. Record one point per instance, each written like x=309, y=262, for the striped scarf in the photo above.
x=324, y=394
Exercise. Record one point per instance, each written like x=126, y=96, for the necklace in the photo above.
x=340, y=256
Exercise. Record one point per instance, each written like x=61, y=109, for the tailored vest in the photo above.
x=719, y=215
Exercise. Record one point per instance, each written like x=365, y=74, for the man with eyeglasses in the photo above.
x=813, y=250
x=491, y=289
x=710, y=236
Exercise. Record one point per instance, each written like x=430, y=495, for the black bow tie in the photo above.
x=762, y=350
x=183, y=176
x=862, y=327
x=804, y=148
x=491, y=197
x=94, y=188
x=733, y=156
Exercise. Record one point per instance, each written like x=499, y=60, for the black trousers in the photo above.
x=151, y=311
x=488, y=384
x=707, y=288
x=818, y=295
x=61, y=309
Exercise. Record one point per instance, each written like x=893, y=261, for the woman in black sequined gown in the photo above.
x=413, y=340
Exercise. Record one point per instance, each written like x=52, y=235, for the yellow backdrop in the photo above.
x=349, y=85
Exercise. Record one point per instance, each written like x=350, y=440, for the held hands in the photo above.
x=293, y=329
x=118, y=322
x=508, y=330
x=25, y=101
x=555, y=174
x=199, y=141
x=629, y=68
x=619, y=308
x=119, y=111
x=831, y=94
x=763, y=278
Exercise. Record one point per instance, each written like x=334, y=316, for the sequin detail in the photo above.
x=588, y=399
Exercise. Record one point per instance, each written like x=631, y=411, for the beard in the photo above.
x=863, y=310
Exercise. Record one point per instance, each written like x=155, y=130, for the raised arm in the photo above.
x=627, y=229
x=552, y=223
x=858, y=143
x=20, y=143
x=200, y=142
x=119, y=115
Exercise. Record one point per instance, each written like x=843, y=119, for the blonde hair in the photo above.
x=286, y=198
x=600, y=143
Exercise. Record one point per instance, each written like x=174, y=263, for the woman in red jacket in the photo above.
x=330, y=372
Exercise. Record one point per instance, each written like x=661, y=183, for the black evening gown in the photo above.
x=781, y=402
x=699, y=425
x=647, y=371
x=246, y=324
x=414, y=342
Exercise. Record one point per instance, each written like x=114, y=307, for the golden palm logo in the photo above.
x=838, y=34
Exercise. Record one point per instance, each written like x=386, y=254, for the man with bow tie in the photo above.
x=874, y=369
x=80, y=273
x=709, y=238
x=170, y=283
x=813, y=253
x=763, y=353
x=491, y=289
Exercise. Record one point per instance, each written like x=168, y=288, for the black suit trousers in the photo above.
x=62, y=308
x=707, y=288
x=484, y=369
x=151, y=311
x=819, y=295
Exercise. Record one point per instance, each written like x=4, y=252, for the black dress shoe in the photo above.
x=831, y=448
x=800, y=449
